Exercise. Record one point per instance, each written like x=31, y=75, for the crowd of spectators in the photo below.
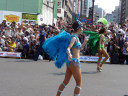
x=25, y=38
x=118, y=46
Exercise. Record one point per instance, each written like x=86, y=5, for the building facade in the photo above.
x=26, y=6
x=95, y=17
x=85, y=6
x=41, y=9
x=109, y=17
x=97, y=13
x=46, y=16
x=76, y=9
x=115, y=14
x=100, y=11
x=123, y=11
x=65, y=8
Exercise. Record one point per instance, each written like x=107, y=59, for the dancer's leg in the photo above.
x=67, y=78
x=104, y=52
x=99, y=61
x=76, y=71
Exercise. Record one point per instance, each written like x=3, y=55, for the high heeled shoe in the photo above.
x=99, y=69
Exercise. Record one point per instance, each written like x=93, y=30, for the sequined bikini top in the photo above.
x=78, y=44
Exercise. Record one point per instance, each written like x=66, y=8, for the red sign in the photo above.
x=58, y=3
x=89, y=21
x=59, y=10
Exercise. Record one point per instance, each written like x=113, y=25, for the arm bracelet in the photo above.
x=108, y=40
x=67, y=51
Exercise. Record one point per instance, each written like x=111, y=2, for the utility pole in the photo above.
x=81, y=10
x=92, y=9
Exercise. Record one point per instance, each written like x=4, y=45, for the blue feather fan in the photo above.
x=56, y=48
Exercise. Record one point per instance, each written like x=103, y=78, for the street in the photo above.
x=20, y=77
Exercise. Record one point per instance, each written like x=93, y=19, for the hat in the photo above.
x=28, y=30
x=121, y=31
x=25, y=38
x=13, y=39
x=108, y=30
x=3, y=36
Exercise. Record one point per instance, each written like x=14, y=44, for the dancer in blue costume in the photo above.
x=97, y=42
x=66, y=48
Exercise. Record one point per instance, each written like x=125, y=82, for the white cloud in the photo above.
x=107, y=5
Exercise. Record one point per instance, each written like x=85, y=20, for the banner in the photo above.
x=91, y=59
x=10, y=54
x=29, y=18
x=11, y=18
x=55, y=8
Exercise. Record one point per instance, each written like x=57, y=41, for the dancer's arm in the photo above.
x=89, y=32
x=85, y=41
x=116, y=46
x=44, y=38
x=108, y=39
x=73, y=40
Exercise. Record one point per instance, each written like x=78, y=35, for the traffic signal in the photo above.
x=90, y=12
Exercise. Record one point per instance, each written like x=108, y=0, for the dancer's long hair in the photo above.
x=102, y=31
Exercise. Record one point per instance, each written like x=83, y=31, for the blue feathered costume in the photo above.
x=56, y=48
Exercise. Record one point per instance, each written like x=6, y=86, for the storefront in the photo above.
x=27, y=18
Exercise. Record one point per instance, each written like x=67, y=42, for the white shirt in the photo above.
x=124, y=50
x=8, y=32
x=2, y=42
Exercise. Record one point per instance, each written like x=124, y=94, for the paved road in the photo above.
x=19, y=77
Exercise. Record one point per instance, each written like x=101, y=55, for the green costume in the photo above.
x=93, y=41
x=103, y=40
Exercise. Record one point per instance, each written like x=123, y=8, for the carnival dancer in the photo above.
x=67, y=49
x=97, y=42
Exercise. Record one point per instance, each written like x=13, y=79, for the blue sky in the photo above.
x=107, y=5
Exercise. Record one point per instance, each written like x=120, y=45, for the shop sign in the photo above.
x=11, y=18
x=29, y=18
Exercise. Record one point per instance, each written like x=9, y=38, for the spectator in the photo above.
x=10, y=45
x=125, y=52
x=20, y=32
x=33, y=48
x=121, y=41
x=2, y=42
x=126, y=38
x=8, y=32
x=42, y=38
x=25, y=47
x=19, y=47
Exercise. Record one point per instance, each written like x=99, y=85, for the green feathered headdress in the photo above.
x=103, y=20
